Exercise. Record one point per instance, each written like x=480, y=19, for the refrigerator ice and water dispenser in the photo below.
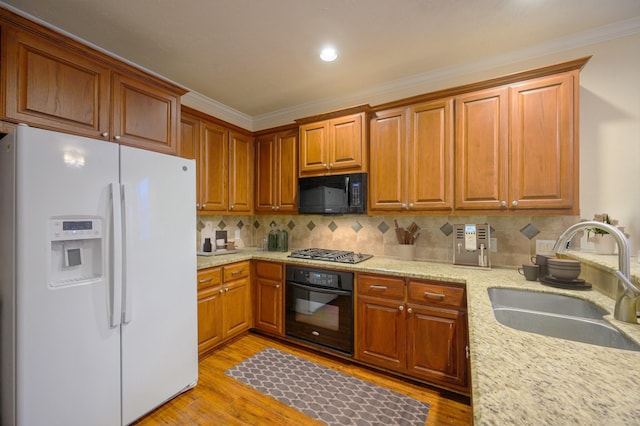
x=76, y=250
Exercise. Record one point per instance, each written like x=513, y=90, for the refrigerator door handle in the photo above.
x=115, y=310
x=127, y=294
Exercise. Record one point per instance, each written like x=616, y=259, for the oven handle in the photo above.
x=320, y=290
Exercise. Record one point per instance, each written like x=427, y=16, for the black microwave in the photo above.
x=336, y=194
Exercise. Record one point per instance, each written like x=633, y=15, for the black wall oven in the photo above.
x=319, y=307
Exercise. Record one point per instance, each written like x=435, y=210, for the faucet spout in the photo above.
x=628, y=294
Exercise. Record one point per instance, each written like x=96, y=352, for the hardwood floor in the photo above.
x=221, y=400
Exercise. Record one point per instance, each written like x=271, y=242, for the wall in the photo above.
x=375, y=234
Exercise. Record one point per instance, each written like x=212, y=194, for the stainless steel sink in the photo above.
x=556, y=315
x=545, y=302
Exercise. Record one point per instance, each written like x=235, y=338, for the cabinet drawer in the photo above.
x=235, y=271
x=269, y=270
x=209, y=278
x=374, y=285
x=439, y=294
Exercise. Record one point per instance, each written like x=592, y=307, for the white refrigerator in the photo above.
x=98, y=279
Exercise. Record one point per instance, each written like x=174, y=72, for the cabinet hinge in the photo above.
x=466, y=351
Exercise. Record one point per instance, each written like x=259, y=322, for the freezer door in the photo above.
x=159, y=330
x=67, y=366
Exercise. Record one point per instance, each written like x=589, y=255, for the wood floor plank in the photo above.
x=220, y=400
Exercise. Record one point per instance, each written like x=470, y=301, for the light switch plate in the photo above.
x=545, y=247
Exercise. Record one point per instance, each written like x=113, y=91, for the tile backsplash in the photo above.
x=515, y=235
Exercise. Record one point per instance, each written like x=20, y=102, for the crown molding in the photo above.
x=217, y=109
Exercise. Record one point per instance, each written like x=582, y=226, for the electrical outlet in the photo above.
x=545, y=246
x=493, y=243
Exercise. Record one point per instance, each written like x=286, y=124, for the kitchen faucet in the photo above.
x=627, y=294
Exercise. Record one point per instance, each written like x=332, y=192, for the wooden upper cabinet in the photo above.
x=336, y=145
x=144, y=115
x=388, y=173
x=430, y=159
x=224, y=162
x=56, y=83
x=412, y=158
x=543, y=170
x=276, y=182
x=481, y=149
x=190, y=147
x=516, y=147
x=214, y=161
x=52, y=87
x=240, y=172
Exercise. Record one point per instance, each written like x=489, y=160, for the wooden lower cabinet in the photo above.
x=224, y=304
x=436, y=344
x=413, y=327
x=209, y=307
x=269, y=297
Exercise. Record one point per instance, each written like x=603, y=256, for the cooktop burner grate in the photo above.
x=339, y=256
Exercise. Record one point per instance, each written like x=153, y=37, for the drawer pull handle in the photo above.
x=378, y=287
x=205, y=281
x=438, y=295
x=237, y=272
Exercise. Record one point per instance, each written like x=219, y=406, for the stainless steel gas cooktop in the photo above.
x=339, y=256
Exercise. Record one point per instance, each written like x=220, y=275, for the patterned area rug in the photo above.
x=325, y=394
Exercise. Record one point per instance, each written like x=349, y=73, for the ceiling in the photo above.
x=260, y=58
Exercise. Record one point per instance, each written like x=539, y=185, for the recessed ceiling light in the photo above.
x=328, y=54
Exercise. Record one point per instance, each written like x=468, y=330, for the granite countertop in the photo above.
x=519, y=377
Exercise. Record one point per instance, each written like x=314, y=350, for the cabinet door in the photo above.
x=346, y=143
x=268, y=306
x=287, y=166
x=436, y=344
x=214, y=161
x=236, y=309
x=381, y=332
x=53, y=87
x=266, y=179
x=240, y=172
x=190, y=146
x=430, y=158
x=144, y=115
x=209, y=319
x=314, y=143
x=543, y=157
x=388, y=148
x=481, y=145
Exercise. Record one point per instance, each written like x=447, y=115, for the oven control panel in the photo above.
x=320, y=278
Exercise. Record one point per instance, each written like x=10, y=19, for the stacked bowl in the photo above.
x=564, y=269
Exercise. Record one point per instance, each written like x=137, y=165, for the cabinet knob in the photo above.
x=220, y=291
x=231, y=207
x=226, y=289
x=117, y=137
x=514, y=203
x=273, y=207
x=277, y=285
x=277, y=207
x=204, y=205
x=401, y=308
x=503, y=203
x=410, y=205
x=330, y=165
x=409, y=310
x=325, y=165
x=104, y=134
x=404, y=205
x=197, y=205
